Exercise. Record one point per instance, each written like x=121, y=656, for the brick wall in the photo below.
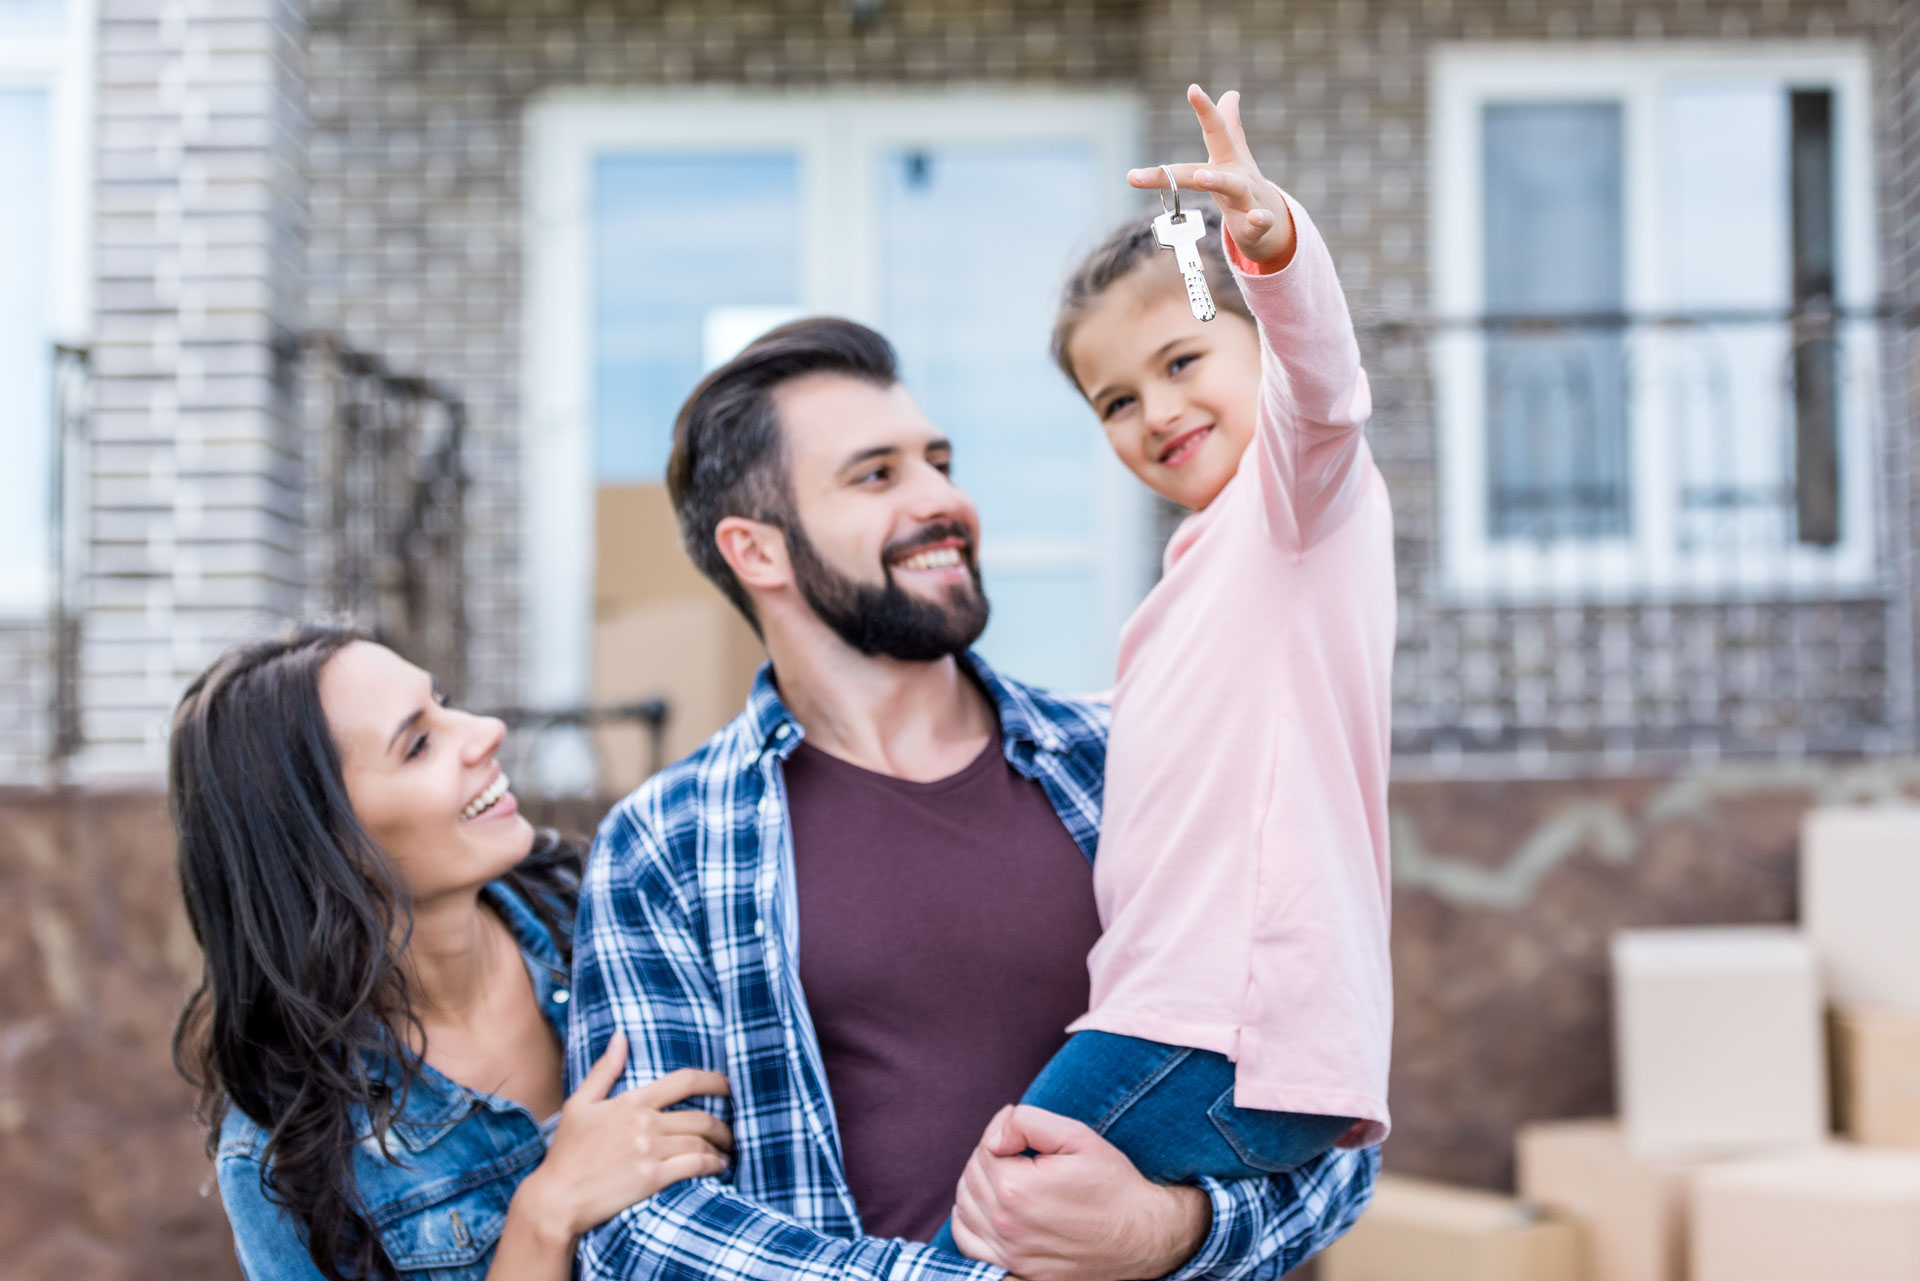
x=24, y=691
x=1337, y=94
x=416, y=241
x=198, y=259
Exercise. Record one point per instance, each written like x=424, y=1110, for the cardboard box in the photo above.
x=1421, y=1231
x=1632, y=1209
x=1841, y=1212
x=1719, y=1041
x=1860, y=892
x=638, y=555
x=699, y=655
x=1876, y=1076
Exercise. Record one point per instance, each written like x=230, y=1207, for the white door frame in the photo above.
x=834, y=135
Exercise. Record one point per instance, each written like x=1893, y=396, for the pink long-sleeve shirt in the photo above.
x=1243, y=881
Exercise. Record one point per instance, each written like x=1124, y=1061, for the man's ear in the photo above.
x=756, y=552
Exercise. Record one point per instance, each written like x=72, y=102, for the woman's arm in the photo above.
x=270, y=1244
x=608, y=1154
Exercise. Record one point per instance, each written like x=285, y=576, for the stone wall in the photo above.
x=1506, y=894
x=102, y=1162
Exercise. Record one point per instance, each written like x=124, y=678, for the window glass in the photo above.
x=25, y=344
x=975, y=242
x=687, y=249
x=32, y=17
x=1557, y=447
x=1727, y=261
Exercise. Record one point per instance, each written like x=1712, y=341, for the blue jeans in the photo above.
x=1170, y=1110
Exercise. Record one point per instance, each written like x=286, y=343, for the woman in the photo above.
x=377, y=1033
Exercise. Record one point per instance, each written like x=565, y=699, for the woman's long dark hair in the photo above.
x=297, y=913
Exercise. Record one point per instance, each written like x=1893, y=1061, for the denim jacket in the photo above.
x=440, y=1204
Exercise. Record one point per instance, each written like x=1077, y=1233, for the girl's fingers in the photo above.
x=1232, y=190
x=605, y=1071
x=1155, y=179
x=680, y=1085
x=703, y=1125
x=1221, y=144
x=692, y=1165
x=1236, y=128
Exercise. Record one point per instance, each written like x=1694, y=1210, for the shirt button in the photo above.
x=561, y=996
x=760, y=927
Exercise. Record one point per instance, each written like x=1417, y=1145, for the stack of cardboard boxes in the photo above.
x=660, y=630
x=1721, y=1165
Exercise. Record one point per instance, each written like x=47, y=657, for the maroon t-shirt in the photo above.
x=944, y=931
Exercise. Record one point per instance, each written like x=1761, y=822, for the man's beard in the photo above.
x=886, y=621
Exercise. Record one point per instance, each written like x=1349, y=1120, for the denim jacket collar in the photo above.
x=1023, y=729
x=434, y=1103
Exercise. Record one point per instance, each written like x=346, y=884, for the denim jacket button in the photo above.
x=561, y=996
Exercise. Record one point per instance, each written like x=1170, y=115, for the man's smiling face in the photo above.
x=884, y=545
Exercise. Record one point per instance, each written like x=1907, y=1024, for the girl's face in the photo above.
x=421, y=776
x=1177, y=396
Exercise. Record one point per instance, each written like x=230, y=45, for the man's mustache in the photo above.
x=901, y=548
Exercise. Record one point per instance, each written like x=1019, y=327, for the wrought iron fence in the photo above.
x=386, y=504
x=67, y=544
x=1625, y=539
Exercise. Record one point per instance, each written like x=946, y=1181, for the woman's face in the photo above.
x=421, y=776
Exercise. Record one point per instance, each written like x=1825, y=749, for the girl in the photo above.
x=1241, y=997
x=377, y=1032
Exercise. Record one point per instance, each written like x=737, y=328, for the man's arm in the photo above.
x=640, y=967
x=1027, y=1213
x=1265, y=1228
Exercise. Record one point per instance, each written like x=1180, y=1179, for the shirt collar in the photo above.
x=1023, y=726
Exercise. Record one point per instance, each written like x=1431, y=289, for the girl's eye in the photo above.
x=418, y=746
x=1114, y=406
x=1179, y=363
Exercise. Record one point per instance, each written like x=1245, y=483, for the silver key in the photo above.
x=1182, y=233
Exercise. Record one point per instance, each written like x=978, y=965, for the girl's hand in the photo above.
x=609, y=1153
x=1251, y=207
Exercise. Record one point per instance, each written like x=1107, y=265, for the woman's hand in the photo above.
x=609, y=1153
x=1251, y=207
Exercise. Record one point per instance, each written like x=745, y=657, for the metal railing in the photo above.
x=1626, y=539
x=386, y=495
x=67, y=542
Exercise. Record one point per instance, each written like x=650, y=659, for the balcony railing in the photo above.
x=1625, y=539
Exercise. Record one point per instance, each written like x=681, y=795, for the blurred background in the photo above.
x=383, y=307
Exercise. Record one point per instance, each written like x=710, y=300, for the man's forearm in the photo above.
x=705, y=1228
x=1262, y=1229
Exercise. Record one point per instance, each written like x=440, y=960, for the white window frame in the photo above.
x=61, y=63
x=835, y=135
x=1476, y=567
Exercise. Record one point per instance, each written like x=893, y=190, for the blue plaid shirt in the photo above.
x=688, y=939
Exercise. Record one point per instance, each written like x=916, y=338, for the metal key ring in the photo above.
x=1173, y=183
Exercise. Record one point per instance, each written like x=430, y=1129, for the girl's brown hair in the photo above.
x=1131, y=245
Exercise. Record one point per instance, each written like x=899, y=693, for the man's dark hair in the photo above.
x=728, y=455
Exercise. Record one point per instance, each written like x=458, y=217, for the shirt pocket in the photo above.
x=446, y=1234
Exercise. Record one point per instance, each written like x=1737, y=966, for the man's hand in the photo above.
x=1078, y=1211
x=1256, y=217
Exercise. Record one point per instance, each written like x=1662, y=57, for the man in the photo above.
x=867, y=900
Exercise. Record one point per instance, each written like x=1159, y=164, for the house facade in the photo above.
x=1671, y=525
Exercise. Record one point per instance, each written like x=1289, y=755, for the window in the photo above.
x=1637, y=253
x=944, y=220
x=43, y=276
